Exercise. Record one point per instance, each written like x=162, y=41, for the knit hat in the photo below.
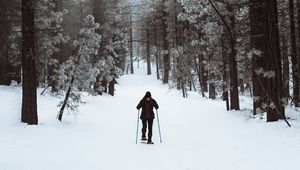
x=148, y=94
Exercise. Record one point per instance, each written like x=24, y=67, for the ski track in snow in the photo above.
x=197, y=134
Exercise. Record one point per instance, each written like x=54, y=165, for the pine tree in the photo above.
x=267, y=60
x=29, y=83
x=49, y=38
x=79, y=69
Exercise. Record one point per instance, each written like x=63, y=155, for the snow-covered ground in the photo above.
x=197, y=134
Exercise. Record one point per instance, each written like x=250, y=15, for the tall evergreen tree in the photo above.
x=29, y=81
x=166, y=50
x=267, y=80
x=230, y=28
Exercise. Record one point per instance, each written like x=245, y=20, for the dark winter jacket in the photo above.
x=147, y=113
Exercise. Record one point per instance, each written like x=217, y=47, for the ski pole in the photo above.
x=158, y=126
x=137, y=127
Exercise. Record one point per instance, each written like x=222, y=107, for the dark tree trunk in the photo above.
x=197, y=68
x=265, y=37
x=166, y=61
x=225, y=83
x=178, y=73
x=212, y=90
x=156, y=53
x=295, y=61
x=4, y=32
x=183, y=90
x=131, y=47
x=97, y=85
x=298, y=38
x=204, y=77
x=242, y=87
x=272, y=53
x=284, y=46
x=201, y=71
x=166, y=55
x=234, y=94
x=61, y=111
x=104, y=85
x=148, y=53
x=285, y=71
x=257, y=43
x=111, y=87
x=203, y=74
x=29, y=101
x=211, y=84
x=191, y=85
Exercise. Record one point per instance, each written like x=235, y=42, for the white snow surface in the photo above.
x=197, y=133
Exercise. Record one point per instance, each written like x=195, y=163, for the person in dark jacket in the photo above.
x=147, y=115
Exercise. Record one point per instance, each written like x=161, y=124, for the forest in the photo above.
x=218, y=48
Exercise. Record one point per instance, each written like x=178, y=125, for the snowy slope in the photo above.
x=197, y=134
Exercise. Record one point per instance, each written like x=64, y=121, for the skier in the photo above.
x=147, y=116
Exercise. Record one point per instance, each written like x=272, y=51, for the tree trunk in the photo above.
x=197, y=68
x=4, y=32
x=285, y=71
x=29, y=101
x=61, y=111
x=97, y=85
x=131, y=47
x=234, y=94
x=225, y=83
x=166, y=54
x=294, y=55
x=111, y=87
x=183, y=90
x=104, y=85
x=298, y=57
x=272, y=53
x=265, y=37
x=148, y=53
x=212, y=90
x=257, y=43
x=204, y=76
x=156, y=53
x=178, y=73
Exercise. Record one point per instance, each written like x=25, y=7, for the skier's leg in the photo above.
x=150, y=124
x=144, y=128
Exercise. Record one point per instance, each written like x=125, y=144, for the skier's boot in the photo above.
x=144, y=137
x=150, y=142
x=150, y=139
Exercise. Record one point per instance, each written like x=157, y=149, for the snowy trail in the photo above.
x=197, y=134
